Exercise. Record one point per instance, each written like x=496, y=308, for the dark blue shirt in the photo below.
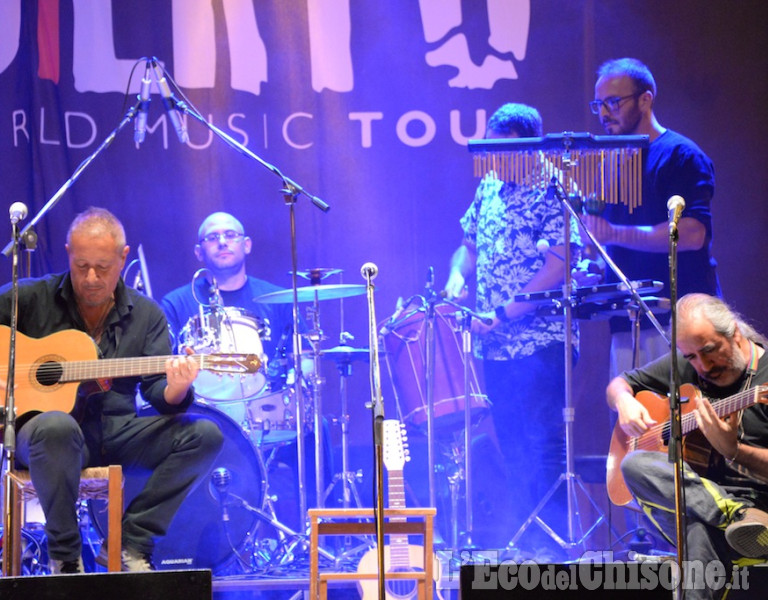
x=672, y=165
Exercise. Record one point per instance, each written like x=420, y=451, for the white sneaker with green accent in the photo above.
x=132, y=560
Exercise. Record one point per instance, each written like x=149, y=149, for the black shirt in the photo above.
x=135, y=327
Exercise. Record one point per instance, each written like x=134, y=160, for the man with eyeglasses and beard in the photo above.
x=638, y=242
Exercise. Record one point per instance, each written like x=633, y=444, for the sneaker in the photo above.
x=65, y=567
x=132, y=560
x=748, y=533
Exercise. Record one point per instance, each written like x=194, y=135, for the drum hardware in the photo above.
x=315, y=337
x=431, y=340
x=617, y=306
x=344, y=356
x=317, y=275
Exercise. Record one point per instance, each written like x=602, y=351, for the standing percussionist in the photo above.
x=505, y=228
x=638, y=242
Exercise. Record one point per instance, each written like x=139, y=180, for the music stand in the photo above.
x=569, y=163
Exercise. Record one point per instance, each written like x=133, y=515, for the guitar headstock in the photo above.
x=395, y=448
x=230, y=364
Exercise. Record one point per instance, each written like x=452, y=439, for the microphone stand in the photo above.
x=290, y=191
x=10, y=543
x=675, y=410
x=129, y=116
x=466, y=345
x=369, y=271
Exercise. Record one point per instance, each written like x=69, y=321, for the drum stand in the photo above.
x=348, y=478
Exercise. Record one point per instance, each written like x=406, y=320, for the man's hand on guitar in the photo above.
x=721, y=433
x=634, y=418
x=180, y=372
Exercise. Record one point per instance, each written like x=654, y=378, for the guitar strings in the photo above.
x=688, y=421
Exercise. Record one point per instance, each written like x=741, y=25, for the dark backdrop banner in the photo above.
x=368, y=105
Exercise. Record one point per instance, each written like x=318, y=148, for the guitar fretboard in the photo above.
x=109, y=368
x=398, y=544
x=727, y=406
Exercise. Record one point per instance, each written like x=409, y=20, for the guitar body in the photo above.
x=696, y=449
x=401, y=589
x=33, y=393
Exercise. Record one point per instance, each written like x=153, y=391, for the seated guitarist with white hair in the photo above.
x=727, y=494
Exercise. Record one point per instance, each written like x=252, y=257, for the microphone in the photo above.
x=369, y=271
x=169, y=103
x=675, y=206
x=140, y=124
x=18, y=212
x=221, y=478
x=542, y=246
x=214, y=297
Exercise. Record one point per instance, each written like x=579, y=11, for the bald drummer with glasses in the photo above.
x=222, y=248
x=625, y=95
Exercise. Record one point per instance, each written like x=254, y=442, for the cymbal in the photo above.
x=311, y=292
x=346, y=354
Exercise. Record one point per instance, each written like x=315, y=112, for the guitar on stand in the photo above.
x=400, y=556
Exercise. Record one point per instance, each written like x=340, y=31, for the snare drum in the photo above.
x=267, y=418
x=222, y=331
x=405, y=346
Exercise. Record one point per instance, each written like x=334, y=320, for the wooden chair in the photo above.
x=337, y=523
x=96, y=483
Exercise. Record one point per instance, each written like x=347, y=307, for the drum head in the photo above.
x=232, y=330
x=199, y=537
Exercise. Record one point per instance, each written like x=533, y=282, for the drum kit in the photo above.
x=235, y=520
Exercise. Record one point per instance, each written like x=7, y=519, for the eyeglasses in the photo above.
x=228, y=236
x=612, y=104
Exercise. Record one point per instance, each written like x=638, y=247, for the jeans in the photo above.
x=709, y=508
x=178, y=449
x=528, y=397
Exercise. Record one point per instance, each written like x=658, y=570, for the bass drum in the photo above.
x=199, y=536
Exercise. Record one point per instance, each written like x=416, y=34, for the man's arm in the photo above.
x=647, y=238
x=463, y=264
x=634, y=418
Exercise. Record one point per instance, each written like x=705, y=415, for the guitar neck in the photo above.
x=398, y=544
x=728, y=406
x=109, y=368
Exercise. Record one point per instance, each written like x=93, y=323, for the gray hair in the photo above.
x=96, y=221
x=724, y=319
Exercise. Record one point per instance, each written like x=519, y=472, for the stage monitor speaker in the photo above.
x=157, y=585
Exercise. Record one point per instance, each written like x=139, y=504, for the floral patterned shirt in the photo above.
x=504, y=224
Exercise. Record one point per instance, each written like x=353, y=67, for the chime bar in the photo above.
x=606, y=168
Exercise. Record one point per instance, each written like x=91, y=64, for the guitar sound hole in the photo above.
x=402, y=588
x=49, y=373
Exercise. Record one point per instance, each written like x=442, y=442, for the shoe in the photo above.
x=66, y=567
x=748, y=533
x=132, y=560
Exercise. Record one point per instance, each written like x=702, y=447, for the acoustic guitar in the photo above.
x=399, y=555
x=696, y=449
x=49, y=370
